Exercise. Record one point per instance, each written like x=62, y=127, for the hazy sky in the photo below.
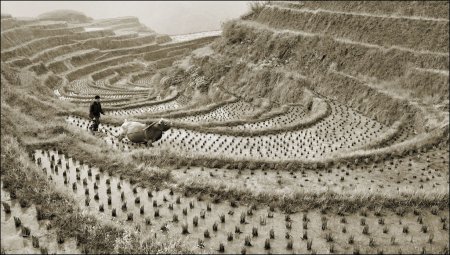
x=168, y=17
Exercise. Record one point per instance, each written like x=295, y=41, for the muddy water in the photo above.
x=11, y=236
x=277, y=222
x=109, y=134
x=425, y=172
x=343, y=130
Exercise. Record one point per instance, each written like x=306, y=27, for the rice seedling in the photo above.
x=237, y=230
x=344, y=229
x=184, y=229
x=430, y=238
x=267, y=244
x=184, y=211
x=124, y=206
x=101, y=208
x=200, y=243
x=247, y=241
x=215, y=226
x=206, y=234
x=424, y=229
x=242, y=218
x=221, y=247
x=229, y=236
x=43, y=250
x=254, y=232
x=393, y=242
x=356, y=250
x=137, y=200
x=351, y=239
x=405, y=230
x=272, y=233
x=385, y=230
x=59, y=238
x=305, y=235
x=305, y=225
x=195, y=221
x=305, y=218
x=148, y=221
x=309, y=244
x=130, y=216
x=156, y=213
x=420, y=220
x=290, y=244
x=113, y=212
x=287, y=218
x=17, y=222
x=25, y=231
x=331, y=248
x=96, y=197
x=35, y=241
x=329, y=237
x=363, y=222
x=262, y=220
x=365, y=230
x=287, y=235
x=434, y=210
x=371, y=242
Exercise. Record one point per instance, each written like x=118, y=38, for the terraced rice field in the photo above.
x=301, y=127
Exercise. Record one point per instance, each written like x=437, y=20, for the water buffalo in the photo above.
x=138, y=132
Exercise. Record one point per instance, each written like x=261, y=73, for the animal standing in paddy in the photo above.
x=138, y=132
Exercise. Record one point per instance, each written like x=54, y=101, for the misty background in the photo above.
x=165, y=17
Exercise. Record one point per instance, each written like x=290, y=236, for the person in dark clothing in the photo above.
x=94, y=113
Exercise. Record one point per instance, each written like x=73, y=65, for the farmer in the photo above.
x=94, y=113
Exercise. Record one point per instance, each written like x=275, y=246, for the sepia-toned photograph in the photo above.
x=224, y=127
